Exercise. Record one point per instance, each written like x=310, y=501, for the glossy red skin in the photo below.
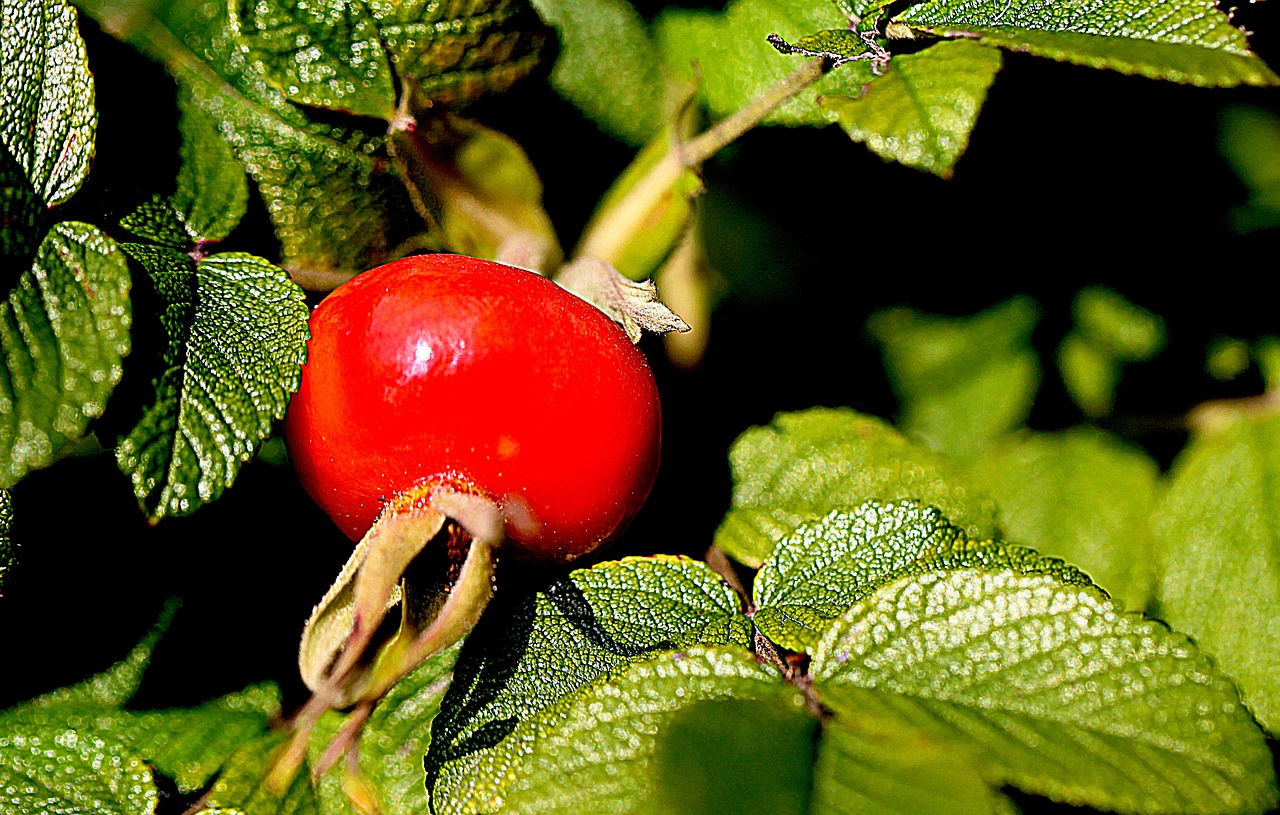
x=442, y=367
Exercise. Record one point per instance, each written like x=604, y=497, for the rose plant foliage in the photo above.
x=949, y=612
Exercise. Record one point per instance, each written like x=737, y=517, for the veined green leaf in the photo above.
x=1179, y=40
x=823, y=568
x=736, y=62
x=611, y=744
x=329, y=188
x=335, y=204
x=1046, y=687
x=1081, y=496
x=806, y=464
x=237, y=329
x=326, y=54
x=63, y=329
x=921, y=111
x=455, y=52
x=1217, y=534
x=610, y=34
x=56, y=769
x=961, y=382
x=188, y=745
x=529, y=652
x=48, y=120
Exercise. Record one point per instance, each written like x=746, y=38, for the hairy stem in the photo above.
x=725, y=132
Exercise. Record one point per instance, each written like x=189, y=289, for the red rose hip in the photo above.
x=442, y=369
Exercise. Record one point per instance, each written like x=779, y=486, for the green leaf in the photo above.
x=336, y=207
x=1109, y=331
x=1090, y=374
x=1267, y=353
x=530, y=651
x=617, y=740
x=56, y=769
x=188, y=745
x=1081, y=496
x=1217, y=533
x=921, y=111
x=1249, y=138
x=1127, y=331
x=237, y=330
x=1226, y=358
x=331, y=193
x=1187, y=41
x=608, y=34
x=212, y=193
x=349, y=55
x=736, y=63
x=326, y=54
x=63, y=329
x=869, y=762
x=823, y=568
x=962, y=381
x=1048, y=688
x=48, y=120
x=807, y=464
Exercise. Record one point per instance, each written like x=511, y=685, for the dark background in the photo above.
x=1072, y=177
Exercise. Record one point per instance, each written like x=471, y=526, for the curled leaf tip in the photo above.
x=633, y=305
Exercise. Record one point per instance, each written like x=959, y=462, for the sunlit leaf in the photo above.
x=1045, y=687
x=921, y=111
x=528, y=652
x=807, y=464
x=1180, y=40
x=613, y=742
x=1081, y=496
x=736, y=63
x=237, y=330
x=824, y=567
x=48, y=119
x=57, y=769
x=1217, y=533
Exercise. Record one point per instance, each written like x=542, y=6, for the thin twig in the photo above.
x=621, y=223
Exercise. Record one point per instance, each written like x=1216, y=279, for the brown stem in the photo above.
x=1216, y=415
x=721, y=565
x=726, y=131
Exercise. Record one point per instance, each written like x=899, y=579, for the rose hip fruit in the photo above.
x=486, y=379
